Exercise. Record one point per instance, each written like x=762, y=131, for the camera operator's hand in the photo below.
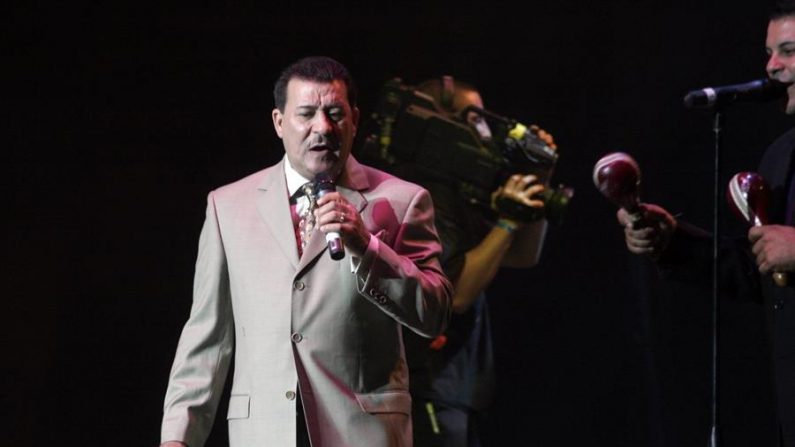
x=522, y=189
x=543, y=171
x=545, y=136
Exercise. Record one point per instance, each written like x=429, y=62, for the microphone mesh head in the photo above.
x=324, y=183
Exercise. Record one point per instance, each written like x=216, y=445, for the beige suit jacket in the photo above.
x=334, y=328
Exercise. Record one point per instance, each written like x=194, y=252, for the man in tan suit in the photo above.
x=317, y=343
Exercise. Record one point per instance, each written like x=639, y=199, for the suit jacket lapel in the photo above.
x=273, y=206
x=353, y=182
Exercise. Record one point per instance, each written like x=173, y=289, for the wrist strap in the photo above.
x=506, y=225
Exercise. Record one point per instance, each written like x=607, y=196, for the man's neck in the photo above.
x=294, y=179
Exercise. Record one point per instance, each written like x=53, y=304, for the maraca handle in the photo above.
x=748, y=198
x=637, y=218
x=780, y=278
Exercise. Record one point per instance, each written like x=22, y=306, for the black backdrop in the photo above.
x=121, y=116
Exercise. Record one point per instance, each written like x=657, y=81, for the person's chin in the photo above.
x=789, y=109
x=329, y=166
x=334, y=160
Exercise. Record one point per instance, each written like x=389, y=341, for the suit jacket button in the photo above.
x=296, y=337
x=299, y=285
x=290, y=395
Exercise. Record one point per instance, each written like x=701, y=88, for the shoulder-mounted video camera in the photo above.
x=409, y=127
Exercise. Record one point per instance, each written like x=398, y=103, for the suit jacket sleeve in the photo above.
x=403, y=276
x=688, y=260
x=205, y=346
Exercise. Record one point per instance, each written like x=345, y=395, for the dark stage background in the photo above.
x=121, y=116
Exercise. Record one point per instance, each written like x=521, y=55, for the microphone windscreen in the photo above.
x=323, y=184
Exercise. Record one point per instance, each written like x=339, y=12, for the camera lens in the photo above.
x=556, y=203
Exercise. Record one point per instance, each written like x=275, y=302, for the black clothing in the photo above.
x=778, y=168
x=458, y=379
x=688, y=258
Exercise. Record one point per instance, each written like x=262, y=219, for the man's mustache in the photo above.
x=331, y=143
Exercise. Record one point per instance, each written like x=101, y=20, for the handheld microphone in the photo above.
x=759, y=90
x=324, y=184
x=617, y=176
x=748, y=195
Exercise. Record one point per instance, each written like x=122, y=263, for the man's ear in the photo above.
x=278, y=117
x=355, y=113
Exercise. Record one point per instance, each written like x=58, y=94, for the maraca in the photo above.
x=748, y=197
x=617, y=176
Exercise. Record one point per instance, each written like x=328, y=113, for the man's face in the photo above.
x=472, y=98
x=780, y=47
x=317, y=126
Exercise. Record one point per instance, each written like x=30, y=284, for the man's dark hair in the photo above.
x=317, y=69
x=784, y=8
x=449, y=96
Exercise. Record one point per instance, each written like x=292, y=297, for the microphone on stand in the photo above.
x=617, y=176
x=759, y=90
x=324, y=184
x=748, y=196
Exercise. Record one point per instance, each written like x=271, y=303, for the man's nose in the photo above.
x=322, y=124
x=774, y=66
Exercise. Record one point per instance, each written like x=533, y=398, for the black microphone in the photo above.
x=757, y=90
x=324, y=184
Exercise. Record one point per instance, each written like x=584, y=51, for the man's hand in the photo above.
x=774, y=247
x=520, y=189
x=334, y=213
x=545, y=136
x=651, y=233
x=173, y=444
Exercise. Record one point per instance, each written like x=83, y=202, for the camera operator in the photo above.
x=452, y=378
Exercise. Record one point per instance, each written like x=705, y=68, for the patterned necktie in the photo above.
x=305, y=207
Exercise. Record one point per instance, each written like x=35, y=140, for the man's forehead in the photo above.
x=780, y=31
x=303, y=92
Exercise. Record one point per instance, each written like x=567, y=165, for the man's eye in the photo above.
x=336, y=115
x=476, y=120
x=788, y=50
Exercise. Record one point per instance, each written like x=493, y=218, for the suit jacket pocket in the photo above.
x=238, y=406
x=385, y=402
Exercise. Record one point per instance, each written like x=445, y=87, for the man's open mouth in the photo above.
x=324, y=147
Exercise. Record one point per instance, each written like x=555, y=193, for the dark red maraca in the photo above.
x=748, y=196
x=617, y=176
